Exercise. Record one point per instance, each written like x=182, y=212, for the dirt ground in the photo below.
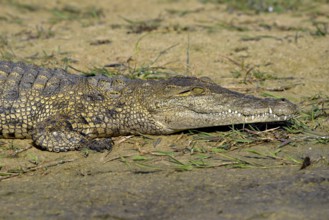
x=218, y=173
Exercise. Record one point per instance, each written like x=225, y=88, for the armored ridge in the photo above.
x=62, y=111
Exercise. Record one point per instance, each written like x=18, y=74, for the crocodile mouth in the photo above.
x=248, y=118
x=191, y=119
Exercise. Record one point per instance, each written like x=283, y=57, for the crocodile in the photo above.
x=60, y=111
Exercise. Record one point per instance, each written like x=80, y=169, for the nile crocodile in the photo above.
x=61, y=111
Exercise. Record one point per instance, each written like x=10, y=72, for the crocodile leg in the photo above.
x=57, y=134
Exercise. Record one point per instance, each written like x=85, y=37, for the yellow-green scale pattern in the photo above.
x=62, y=111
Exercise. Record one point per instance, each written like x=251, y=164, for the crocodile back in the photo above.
x=23, y=90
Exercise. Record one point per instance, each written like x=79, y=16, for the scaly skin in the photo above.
x=62, y=111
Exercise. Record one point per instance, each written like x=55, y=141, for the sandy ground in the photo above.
x=140, y=178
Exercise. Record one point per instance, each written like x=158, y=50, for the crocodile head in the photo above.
x=182, y=103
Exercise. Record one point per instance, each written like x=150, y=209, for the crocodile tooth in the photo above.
x=270, y=110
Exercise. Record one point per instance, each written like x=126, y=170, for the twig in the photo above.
x=35, y=168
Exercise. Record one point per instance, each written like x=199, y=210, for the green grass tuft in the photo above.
x=71, y=13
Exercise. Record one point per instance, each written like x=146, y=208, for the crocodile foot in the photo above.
x=57, y=134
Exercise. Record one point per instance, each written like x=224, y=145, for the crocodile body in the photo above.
x=61, y=111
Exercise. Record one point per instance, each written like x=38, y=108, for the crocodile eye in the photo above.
x=192, y=91
x=198, y=91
